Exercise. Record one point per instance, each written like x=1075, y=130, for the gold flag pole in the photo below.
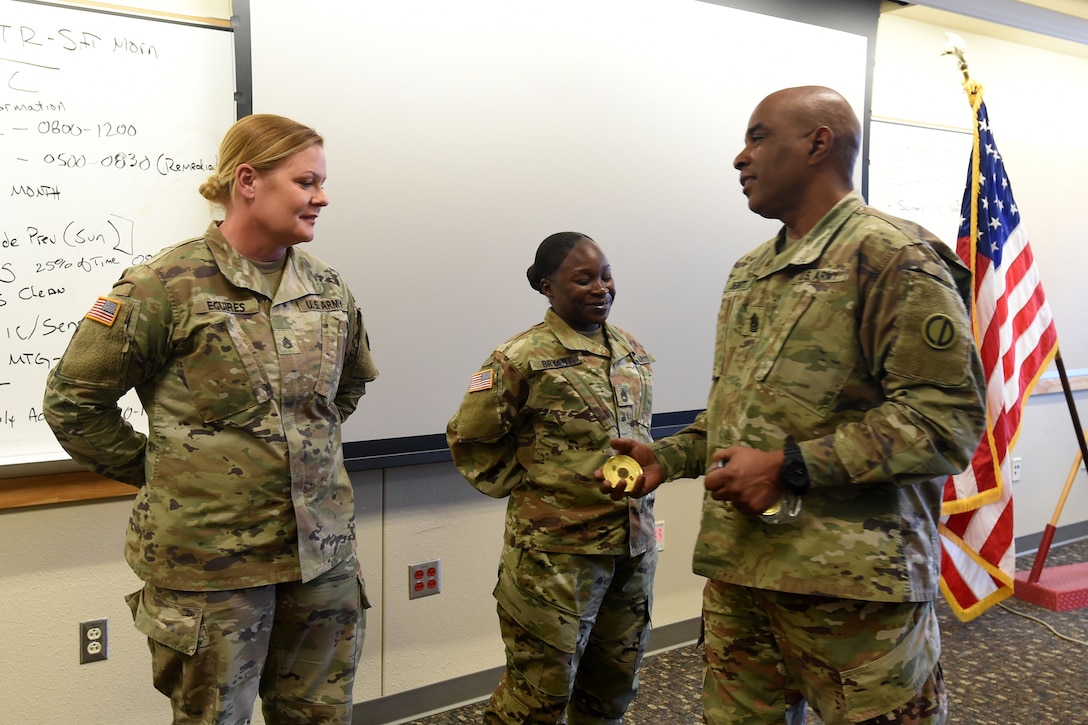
x=1081, y=457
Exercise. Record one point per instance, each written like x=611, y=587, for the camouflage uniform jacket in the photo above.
x=856, y=341
x=536, y=423
x=242, y=481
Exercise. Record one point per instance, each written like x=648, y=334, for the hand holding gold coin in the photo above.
x=622, y=470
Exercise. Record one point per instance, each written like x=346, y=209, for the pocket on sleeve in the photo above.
x=480, y=416
x=364, y=366
x=935, y=337
x=99, y=352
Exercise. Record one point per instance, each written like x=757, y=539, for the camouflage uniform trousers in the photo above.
x=855, y=661
x=575, y=628
x=296, y=645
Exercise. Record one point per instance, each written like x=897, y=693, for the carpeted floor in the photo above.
x=1017, y=664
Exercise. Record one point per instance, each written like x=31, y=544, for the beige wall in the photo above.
x=60, y=565
x=211, y=9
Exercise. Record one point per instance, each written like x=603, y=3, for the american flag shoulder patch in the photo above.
x=105, y=310
x=480, y=381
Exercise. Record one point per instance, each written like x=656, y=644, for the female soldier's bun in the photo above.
x=211, y=189
x=263, y=141
x=550, y=254
x=534, y=279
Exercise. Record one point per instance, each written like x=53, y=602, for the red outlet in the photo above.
x=424, y=579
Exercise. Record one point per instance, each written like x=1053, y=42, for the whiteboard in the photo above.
x=461, y=134
x=919, y=173
x=108, y=124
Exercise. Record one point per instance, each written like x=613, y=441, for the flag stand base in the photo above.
x=1059, y=589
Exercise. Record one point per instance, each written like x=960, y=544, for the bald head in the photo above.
x=813, y=106
x=799, y=154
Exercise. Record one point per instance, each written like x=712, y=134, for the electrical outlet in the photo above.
x=659, y=535
x=1017, y=469
x=92, y=641
x=424, y=579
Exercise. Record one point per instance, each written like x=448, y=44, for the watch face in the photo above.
x=796, y=470
x=795, y=476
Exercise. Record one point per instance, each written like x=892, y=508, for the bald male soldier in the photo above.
x=844, y=373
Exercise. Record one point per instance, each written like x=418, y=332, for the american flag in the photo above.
x=480, y=381
x=1016, y=338
x=104, y=310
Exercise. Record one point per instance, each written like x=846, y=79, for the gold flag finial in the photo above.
x=957, y=46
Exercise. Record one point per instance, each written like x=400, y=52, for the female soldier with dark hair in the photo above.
x=575, y=581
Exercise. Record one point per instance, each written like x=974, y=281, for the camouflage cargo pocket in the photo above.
x=176, y=627
x=882, y=685
x=528, y=590
x=178, y=670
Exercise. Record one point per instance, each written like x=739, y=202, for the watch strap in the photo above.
x=794, y=472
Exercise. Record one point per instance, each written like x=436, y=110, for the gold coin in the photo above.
x=622, y=469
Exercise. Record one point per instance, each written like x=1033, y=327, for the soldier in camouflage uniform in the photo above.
x=247, y=354
x=844, y=373
x=575, y=579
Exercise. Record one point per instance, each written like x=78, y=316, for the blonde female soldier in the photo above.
x=247, y=354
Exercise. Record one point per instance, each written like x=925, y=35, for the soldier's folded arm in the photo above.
x=102, y=363
x=359, y=368
x=480, y=434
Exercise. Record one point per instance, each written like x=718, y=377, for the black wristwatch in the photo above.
x=794, y=473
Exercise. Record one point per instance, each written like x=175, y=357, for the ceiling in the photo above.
x=1078, y=8
x=1066, y=19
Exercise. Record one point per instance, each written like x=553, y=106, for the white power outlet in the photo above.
x=1017, y=469
x=92, y=641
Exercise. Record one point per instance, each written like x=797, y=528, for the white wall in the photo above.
x=460, y=134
